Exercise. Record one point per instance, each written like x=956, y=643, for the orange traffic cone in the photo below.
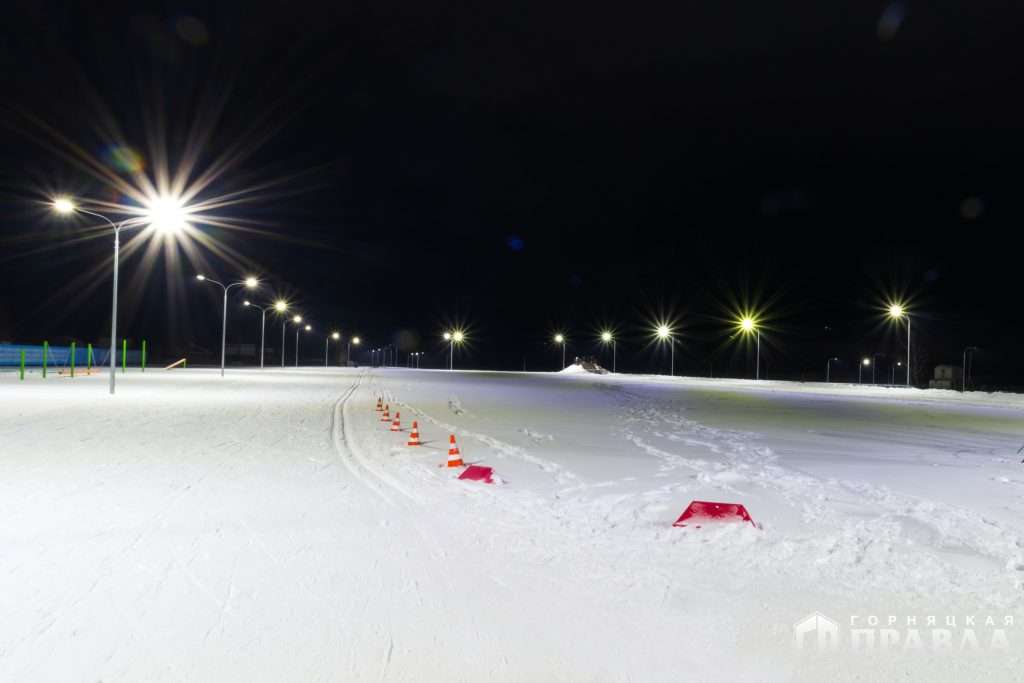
x=380, y=404
x=414, y=438
x=454, y=457
x=396, y=426
x=387, y=414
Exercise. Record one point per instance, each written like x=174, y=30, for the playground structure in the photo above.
x=67, y=361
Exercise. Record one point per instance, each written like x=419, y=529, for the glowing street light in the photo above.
x=748, y=325
x=892, y=371
x=454, y=337
x=279, y=307
x=298, y=328
x=336, y=336
x=608, y=338
x=860, y=370
x=664, y=332
x=348, y=349
x=828, y=366
x=249, y=282
x=560, y=339
x=897, y=312
x=66, y=206
x=63, y=205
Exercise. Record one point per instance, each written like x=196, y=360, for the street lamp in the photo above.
x=860, y=370
x=348, y=349
x=284, y=323
x=327, y=344
x=298, y=329
x=828, y=366
x=164, y=216
x=747, y=325
x=454, y=337
x=965, y=374
x=665, y=332
x=608, y=338
x=892, y=371
x=897, y=312
x=249, y=282
x=560, y=339
x=279, y=306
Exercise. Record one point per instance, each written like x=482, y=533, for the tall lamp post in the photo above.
x=249, y=282
x=327, y=345
x=828, y=367
x=284, y=324
x=966, y=374
x=298, y=329
x=608, y=338
x=748, y=325
x=860, y=370
x=892, y=371
x=164, y=215
x=560, y=339
x=664, y=333
x=348, y=349
x=897, y=311
x=279, y=306
x=454, y=337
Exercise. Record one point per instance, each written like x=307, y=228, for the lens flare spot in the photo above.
x=123, y=158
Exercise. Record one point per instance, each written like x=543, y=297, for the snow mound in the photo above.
x=574, y=370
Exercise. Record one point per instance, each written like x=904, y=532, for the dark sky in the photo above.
x=522, y=168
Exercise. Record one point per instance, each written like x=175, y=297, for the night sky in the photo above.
x=524, y=168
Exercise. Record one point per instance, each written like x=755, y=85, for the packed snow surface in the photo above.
x=267, y=526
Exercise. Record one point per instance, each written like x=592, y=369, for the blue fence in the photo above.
x=60, y=356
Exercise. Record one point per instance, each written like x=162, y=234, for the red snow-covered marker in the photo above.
x=702, y=512
x=478, y=473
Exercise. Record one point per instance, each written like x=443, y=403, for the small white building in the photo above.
x=947, y=377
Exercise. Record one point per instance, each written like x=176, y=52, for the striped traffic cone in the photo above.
x=414, y=438
x=396, y=426
x=380, y=404
x=386, y=417
x=454, y=457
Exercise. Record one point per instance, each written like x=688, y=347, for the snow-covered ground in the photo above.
x=267, y=526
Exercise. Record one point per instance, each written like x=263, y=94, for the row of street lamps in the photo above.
x=278, y=307
x=747, y=325
x=665, y=334
x=169, y=215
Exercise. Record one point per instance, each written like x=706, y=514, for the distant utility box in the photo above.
x=947, y=377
